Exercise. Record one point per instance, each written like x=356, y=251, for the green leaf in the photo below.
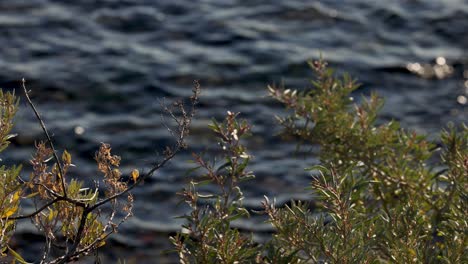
x=31, y=195
x=66, y=157
x=320, y=168
x=17, y=256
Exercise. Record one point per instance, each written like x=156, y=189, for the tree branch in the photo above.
x=33, y=213
x=49, y=140
x=183, y=126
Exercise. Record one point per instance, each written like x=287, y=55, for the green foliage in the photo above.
x=385, y=203
x=209, y=237
x=10, y=189
x=8, y=108
x=378, y=200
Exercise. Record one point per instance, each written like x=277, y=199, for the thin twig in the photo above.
x=77, y=202
x=33, y=213
x=46, y=250
x=183, y=131
x=78, y=237
x=49, y=140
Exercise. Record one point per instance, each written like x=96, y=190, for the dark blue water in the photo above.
x=97, y=69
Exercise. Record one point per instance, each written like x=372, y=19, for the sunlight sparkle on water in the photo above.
x=441, y=61
x=79, y=130
x=461, y=99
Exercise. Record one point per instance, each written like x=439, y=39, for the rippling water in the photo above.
x=98, y=68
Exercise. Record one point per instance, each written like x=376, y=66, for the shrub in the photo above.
x=209, y=237
x=68, y=213
x=379, y=198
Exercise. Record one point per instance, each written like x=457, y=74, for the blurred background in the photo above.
x=98, y=69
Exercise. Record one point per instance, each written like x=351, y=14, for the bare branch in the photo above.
x=49, y=140
x=74, y=247
x=183, y=129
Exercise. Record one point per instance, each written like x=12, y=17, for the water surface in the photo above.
x=97, y=70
